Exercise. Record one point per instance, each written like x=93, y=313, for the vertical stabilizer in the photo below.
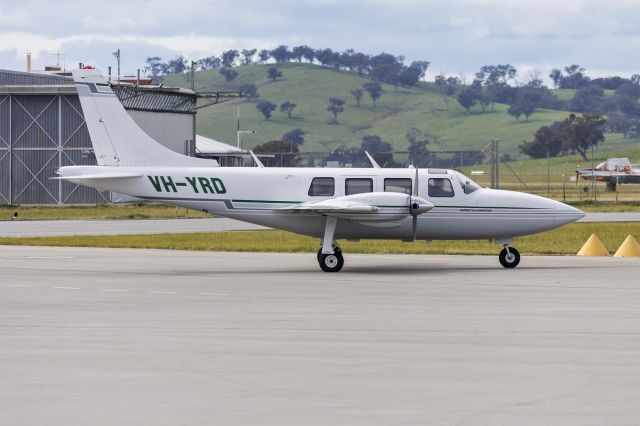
x=117, y=140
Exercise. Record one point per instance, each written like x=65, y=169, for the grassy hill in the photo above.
x=397, y=111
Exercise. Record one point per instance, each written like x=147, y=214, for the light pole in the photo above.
x=116, y=54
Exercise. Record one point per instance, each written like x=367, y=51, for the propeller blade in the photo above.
x=416, y=189
x=415, y=227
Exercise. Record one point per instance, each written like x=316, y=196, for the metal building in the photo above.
x=42, y=128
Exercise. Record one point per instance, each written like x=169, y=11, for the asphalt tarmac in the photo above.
x=44, y=228
x=149, y=337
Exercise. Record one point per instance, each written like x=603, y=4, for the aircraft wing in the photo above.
x=376, y=206
x=334, y=207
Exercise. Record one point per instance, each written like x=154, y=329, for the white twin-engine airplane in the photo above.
x=326, y=203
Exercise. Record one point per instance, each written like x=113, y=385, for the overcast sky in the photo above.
x=457, y=37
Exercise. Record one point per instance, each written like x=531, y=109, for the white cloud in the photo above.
x=455, y=35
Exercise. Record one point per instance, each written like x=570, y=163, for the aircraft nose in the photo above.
x=566, y=214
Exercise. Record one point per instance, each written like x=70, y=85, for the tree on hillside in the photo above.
x=526, y=101
x=297, y=53
x=177, y=65
x=588, y=99
x=309, y=54
x=155, y=66
x=579, y=134
x=273, y=73
x=211, y=63
x=467, y=98
x=228, y=74
x=386, y=67
x=326, y=57
x=360, y=63
x=249, y=91
x=574, y=134
x=374, y=89
x=247, y=56
x=280, y=54
x=263, y=56
x=629, y=89
x=284, y=152
x=295, y=136
x=336, y=106
x=229, y=58
x=635, y=79
x=357, y=94
x=447, y=87
x=556, y=77
x=546, y=141
x=287, y=107
x=411, y=75
x=419, y=155
x=491, y=75
x=266, y=108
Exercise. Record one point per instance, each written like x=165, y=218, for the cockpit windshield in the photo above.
x=468, y=186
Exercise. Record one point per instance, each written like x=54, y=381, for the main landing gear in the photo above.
x=331, y=262
x=330, y=256
x=509, y=257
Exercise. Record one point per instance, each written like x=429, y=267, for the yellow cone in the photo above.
x=593, y=247
x=629, y=248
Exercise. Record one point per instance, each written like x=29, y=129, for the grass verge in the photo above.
x=565, y=240
x=99, y=212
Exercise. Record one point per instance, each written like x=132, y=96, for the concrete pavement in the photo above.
x=114, y=336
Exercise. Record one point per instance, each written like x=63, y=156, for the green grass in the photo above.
x=310, y=87
x=566, y=240
x=102, y=211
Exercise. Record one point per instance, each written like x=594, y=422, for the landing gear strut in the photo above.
x=509, y=257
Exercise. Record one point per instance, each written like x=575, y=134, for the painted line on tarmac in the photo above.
x=18, y=285
x=67, y=288
x=113, y=290
x=162, y=292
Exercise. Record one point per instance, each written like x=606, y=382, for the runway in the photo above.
x=49, y=228
x=115, y=336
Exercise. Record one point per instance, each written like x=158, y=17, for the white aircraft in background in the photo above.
x=326, y=203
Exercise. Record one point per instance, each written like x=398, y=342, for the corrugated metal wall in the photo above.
x=39, y=134
x=42, y=128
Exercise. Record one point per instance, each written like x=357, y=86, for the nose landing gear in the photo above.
x=509, y=257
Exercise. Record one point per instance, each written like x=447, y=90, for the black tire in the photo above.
x=331, y=262
x=335, y=250
x=509, y=259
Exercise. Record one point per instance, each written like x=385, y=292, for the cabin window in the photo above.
x=440, y=187
x=322, y=187
x=468, y=186
x=401, y=185
x=358, y=186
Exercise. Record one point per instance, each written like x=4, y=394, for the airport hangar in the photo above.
x=42, y=128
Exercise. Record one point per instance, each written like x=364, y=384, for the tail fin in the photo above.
x=117, y=140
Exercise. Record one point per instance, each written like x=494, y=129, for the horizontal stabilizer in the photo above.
x=100, y=176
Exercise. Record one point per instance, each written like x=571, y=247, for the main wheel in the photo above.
x=509, y=259
x=336, y=249
x=331, y=262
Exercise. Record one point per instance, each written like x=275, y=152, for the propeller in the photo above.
x=413, y=209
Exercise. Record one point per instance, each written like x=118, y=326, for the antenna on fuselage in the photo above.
x=373, y=162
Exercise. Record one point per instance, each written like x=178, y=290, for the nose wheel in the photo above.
x=509, y=257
